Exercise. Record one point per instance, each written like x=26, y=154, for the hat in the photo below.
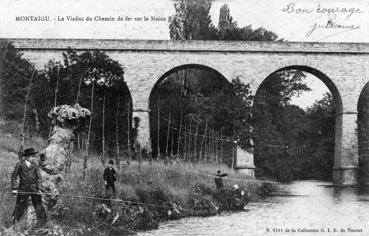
x=111, y=162
x=29, y=151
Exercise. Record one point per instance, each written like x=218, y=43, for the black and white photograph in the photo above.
x=184, y=117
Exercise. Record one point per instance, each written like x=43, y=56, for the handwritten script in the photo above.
x=332, y=12
x=330, y=25
x=291, y=8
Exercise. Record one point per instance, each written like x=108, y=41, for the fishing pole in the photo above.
x=24, y=116
x=106, y=199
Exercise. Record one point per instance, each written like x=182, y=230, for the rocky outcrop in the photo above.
x=67, y=122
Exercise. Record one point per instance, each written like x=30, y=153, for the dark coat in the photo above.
x=219, y=180
x=109, y=175
x=29, y=177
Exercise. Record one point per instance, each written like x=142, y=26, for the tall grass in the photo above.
x=9, y=147
x=139, y=182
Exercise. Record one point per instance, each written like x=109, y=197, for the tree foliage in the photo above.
x=204, y=101
x=16, y=74
x=295, y=144
x=70, y=81
x=193, y=22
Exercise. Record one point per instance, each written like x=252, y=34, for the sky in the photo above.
x=300, y=20
x=291, y=20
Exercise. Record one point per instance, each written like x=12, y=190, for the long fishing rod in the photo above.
x=80, y=80
x=25, y=115
x=56, y=90
x=105, y=199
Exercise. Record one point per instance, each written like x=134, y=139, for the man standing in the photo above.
x=110, y=177
x=29, y=185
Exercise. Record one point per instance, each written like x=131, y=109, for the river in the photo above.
x=311, y=208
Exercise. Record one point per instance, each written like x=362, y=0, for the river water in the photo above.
x=311, y=208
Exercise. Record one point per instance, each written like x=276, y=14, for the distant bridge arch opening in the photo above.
x=259, y=100
x=175, y=98
x=318, y=74
x=183, y=67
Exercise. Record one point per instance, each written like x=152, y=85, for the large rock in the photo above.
x=67, y=121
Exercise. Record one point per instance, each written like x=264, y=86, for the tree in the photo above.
x=192, y=21
x=76, y=76
x=240, y=107
x=203, y=106
x=231, y=109
x=277, y=124
x=321, y=135
x=228, y=30
x=15, y=73
x=298, y=144
x=259, y=34
x=226, y=25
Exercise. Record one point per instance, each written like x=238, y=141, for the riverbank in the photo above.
x=164, y=191
x=311, y=206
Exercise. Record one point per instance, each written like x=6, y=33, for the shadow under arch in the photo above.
x=218, y=79
x=317, y=73
x=363, y=134
x=118, y=122
x=337, y=99
x=183, y=67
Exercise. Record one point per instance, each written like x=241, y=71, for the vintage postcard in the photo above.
x=184, y=117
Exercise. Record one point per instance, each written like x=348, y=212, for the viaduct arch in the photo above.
x=344, y=67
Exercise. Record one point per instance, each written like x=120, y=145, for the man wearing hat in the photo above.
x=29, y=183
x=110, y=177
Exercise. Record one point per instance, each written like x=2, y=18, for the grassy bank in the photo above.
x=176, y=186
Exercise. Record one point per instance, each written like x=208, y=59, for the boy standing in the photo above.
x=110, y=177
x=29, y=186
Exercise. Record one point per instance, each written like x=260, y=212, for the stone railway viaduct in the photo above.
x=343, y=67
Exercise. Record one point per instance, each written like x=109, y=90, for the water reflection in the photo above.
x=317, y=208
